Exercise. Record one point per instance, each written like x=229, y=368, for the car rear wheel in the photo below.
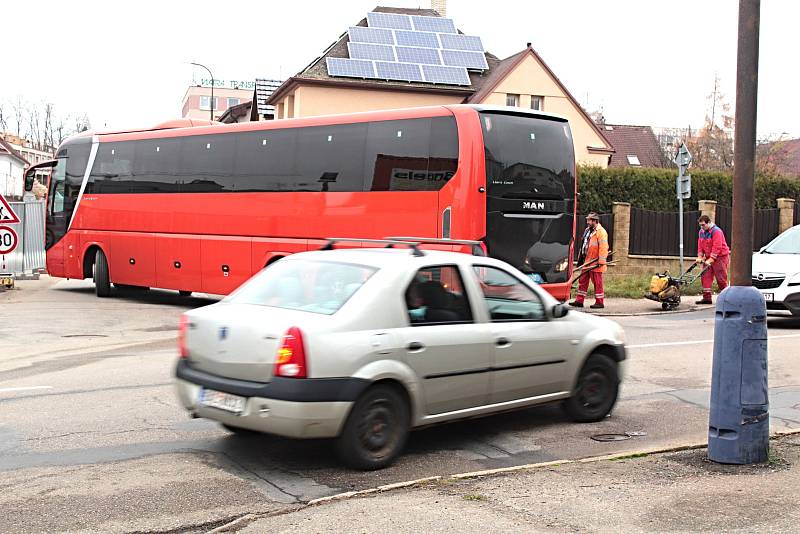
x=376, y=429
x=596, y=391
x=102, y=284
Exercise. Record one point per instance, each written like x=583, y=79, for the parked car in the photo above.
x=363, y=345
x=776, y=273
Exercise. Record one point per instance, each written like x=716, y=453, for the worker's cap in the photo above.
x=593, y=217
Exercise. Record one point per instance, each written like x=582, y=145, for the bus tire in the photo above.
x=102, y=284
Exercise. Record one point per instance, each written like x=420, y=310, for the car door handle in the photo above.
x=415, y=346
x=502, y=342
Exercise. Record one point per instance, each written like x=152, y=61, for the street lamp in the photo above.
x=212, y=86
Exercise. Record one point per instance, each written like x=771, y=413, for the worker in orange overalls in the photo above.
x=593, y=254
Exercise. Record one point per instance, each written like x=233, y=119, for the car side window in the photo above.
x=436, y=296
x=508, y=299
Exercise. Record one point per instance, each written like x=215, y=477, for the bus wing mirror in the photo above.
x=29, y=181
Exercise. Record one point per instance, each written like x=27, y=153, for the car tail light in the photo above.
x=291, y=359
x=183, y=326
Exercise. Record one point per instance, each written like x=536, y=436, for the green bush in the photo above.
x=654, y=189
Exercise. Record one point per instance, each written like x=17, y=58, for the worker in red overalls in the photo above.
x=593, y=254
x=712, y=251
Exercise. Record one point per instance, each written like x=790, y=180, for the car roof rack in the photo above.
x=437, y=241
x=390, y=243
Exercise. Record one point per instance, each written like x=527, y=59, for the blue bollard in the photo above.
x=738, y=429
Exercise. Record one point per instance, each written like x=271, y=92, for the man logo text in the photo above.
x=533, y=205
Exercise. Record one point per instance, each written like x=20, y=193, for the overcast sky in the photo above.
x=642, y=62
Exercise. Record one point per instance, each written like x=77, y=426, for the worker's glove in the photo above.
x=709, y=261
x=699, y=259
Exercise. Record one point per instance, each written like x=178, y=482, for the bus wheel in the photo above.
x=102, y=285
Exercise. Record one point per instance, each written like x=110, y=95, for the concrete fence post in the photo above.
x=785, y=214
x=708, y=207
x=622, y=232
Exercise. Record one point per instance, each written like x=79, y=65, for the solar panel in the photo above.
x=389, y=20
x=461, y=42
x=352, y=68
x=462, y=58
x=421, y=39
x=433, y=24
x=450, y=75
x=428, y=56
x=370, y=51
x=408, y=72
x=360, y=34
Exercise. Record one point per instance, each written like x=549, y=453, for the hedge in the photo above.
x=654, y=189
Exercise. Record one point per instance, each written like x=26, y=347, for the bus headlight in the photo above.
x=562, y=265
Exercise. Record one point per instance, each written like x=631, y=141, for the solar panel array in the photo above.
x=410, y=48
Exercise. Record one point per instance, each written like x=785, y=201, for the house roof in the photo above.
x=7, y=148
x=481, y=86
x=317, y=71
x=234, y=112
x=638, y=141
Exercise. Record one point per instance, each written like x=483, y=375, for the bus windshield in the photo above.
x=530, y=179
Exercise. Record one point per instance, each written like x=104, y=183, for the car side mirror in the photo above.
x=559, y=310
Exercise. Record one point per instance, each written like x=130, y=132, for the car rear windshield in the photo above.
x=312, y=286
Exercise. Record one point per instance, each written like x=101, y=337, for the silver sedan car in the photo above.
x=363, y=345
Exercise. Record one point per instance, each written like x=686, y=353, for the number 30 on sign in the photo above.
x=8, y=240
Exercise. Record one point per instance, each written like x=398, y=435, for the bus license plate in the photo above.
x=769, y=297
x=222, y=401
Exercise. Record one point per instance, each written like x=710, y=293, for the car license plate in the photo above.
x=769, y=297
x=222, y=401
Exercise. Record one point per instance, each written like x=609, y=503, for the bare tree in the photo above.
x=19, y=114
x=772, y=154
x=712, y=145
x=3, y=118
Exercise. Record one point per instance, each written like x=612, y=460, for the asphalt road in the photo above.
x=92, y=437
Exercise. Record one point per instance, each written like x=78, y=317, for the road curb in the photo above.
x=250, y=518
x=660, y=312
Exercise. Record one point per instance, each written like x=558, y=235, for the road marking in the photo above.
x=698, y=342
x=27, y=388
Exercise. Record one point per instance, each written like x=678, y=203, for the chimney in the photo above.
x=440, y=6
x=528, y=45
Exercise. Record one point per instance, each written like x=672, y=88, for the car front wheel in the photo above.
x=376, y=429
x=596, y=390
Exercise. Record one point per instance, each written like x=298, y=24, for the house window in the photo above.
x=633, y=160
x=205, y=102
x=537, y=102
x=512, y=100
x=233, y=102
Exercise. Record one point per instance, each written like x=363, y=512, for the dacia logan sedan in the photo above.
x=362, y=345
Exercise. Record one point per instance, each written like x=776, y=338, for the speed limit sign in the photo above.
x=8, y=240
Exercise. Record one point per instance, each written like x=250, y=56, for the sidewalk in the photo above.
x=671, y=492
x=642, y=306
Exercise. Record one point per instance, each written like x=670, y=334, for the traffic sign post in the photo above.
x=683, y=190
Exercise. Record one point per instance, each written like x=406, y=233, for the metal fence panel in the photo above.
x=29, y=256
x=654, y=233
x=766, y=224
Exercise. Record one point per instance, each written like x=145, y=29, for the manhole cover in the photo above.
x=610, y=437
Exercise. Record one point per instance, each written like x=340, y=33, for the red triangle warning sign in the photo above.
x=7, y=215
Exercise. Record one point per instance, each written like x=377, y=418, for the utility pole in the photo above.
x=738, y=430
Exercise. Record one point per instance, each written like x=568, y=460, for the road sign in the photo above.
x=8, y=239
x=683, y=186
x=683, y=159
x=7, y=215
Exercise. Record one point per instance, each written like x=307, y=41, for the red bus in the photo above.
x=202, y=208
